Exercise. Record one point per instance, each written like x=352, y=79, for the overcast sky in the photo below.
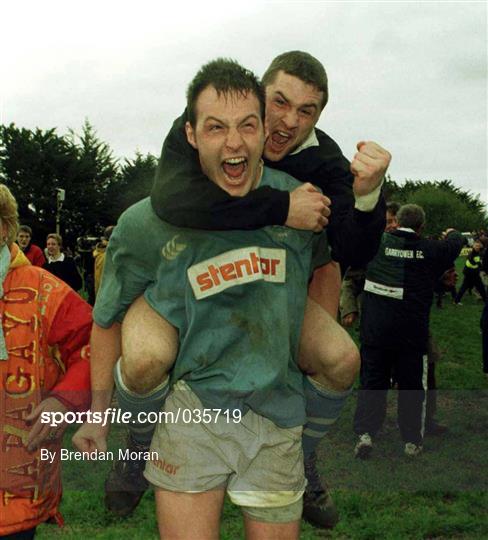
x=409, y=75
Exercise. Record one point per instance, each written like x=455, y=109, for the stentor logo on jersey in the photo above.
x=237, y=267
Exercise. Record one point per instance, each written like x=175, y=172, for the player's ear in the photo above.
x=190, y=135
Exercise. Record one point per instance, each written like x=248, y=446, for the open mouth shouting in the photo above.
x=279, y=141
x=234, y=169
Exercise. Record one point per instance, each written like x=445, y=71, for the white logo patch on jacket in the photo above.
x=237, y=267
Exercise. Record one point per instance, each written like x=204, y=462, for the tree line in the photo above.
x=99, y=187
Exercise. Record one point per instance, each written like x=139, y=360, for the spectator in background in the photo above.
x=447, y=284
x=391, y=216
x=471, y=273
x=60, y=264
x=44, y=367
x=484, y=260
x=353, y=282
x=351, y=292
x=33, y=253
x=397, y=298
x=99, y=255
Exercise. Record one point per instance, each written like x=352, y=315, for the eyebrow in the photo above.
x=248, y=117
x=303, y=106
x=215, y=119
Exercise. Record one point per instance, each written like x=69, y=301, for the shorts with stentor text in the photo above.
x=259, y=463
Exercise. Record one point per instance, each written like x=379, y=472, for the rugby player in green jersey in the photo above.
x=327, y=355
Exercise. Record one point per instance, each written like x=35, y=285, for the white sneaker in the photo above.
x=364, y=446
x=412, y=449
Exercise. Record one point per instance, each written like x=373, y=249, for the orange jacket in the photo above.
x=47, y=328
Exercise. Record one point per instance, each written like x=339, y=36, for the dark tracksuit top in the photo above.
x=399, y=288
x=183, y=196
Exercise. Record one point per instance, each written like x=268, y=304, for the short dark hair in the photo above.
x=302, y=65
x=25, y=229
x=392, y=207
x=226, y=76
x=411, y=216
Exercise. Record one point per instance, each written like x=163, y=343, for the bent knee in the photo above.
x=350, y=364
x=149, y=345
x=142, y=374
x=336, y=369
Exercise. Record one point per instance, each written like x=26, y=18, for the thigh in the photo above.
x=325, y=287
x=187, y=516
x=148, y=338
x=324, y=344
x=259, y=530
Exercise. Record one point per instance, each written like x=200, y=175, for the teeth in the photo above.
x=235, y=161
x=283, y=134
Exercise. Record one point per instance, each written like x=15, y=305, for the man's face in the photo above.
x=293, y=108
x=23, y=239
x=52, y=247
x=391, y=222
x=229, y=137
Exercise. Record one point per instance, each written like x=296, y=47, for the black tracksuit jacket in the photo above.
x=399, y=288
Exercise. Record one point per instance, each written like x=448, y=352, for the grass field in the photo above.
x=441, y=494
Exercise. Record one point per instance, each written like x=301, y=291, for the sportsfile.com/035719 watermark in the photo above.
x=113, y=415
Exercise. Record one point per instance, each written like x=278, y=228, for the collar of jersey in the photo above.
x=310, y=141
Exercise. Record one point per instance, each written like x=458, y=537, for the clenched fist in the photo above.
x=91, y=437
x=369, y=167
x=309, y=209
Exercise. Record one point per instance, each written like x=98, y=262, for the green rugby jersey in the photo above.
x=236, y=297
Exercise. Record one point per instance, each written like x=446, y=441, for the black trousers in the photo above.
x=471, y=279
x=411, y=375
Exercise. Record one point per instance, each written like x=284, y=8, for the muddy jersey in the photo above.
x=237, y=299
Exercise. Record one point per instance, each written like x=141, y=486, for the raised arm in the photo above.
x=358, y=208
x=448, y=250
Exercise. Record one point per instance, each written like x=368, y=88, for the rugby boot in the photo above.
x=364, y=446
x=318, y=507
x=125, y=484
x=413, y=450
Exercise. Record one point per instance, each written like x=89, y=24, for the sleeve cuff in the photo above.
x=366, y=203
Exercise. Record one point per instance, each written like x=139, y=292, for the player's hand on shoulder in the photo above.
x=309, y=209
x=369, y=166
